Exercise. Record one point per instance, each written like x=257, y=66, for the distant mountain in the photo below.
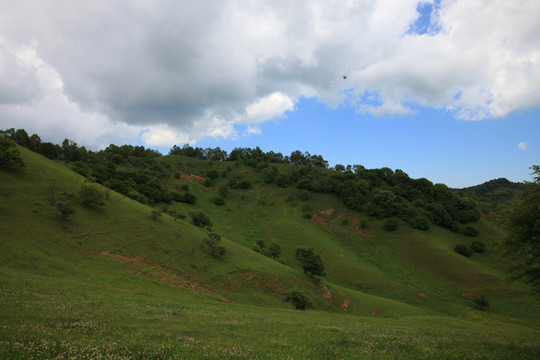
x=498, y=190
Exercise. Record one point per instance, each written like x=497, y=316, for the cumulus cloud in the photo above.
x=180, y=71
x=523, y=145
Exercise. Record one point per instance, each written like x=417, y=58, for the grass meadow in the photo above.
x=112, y=283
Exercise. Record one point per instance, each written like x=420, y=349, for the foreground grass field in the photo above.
x=113, y=283
x=75, y=321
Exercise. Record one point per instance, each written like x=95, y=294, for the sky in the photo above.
x=446, y=90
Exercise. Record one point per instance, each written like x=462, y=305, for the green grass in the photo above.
x=157, y=294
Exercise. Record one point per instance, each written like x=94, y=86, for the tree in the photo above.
x=523, y=227
x=273, y=250
x=310, y=262
x=200, y=219
x=156, y=213
x=463, y=250
x=482, y=302
x=9, y=153
x=212, y=245
x=298, y=300
x=65, y=208
x=91, y=196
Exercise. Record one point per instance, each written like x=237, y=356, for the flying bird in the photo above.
x=344, y=77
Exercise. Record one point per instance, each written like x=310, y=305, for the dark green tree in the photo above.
x=273, y=250
x=463, y=250
x=65, y=208
x=200, y=219
x=298, y=300
x=310, y=262
x=156, y=213
x=523, y=226
x=482, y=302
x=10, y=155
x=90, y=196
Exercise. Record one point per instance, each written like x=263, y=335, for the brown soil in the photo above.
x=325, y=292
x=321, y=220
x=142, y=266
x=192, y=176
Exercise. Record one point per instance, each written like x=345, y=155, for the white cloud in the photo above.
x=104, y=70
x=268, y=107
x=523, y=145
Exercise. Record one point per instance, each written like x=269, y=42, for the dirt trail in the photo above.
x=321, y=219
x=143, y=266
x=192, y=176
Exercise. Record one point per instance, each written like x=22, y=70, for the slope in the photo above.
x=110, y=281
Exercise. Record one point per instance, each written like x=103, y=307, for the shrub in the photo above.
x=9, y=153
x=390, y=225
x=212, y=174
x=212, y=245
x=463, y=250
x=420, y=222
x=298, y=300
x=478, y=246
x=200, y=219
x=90, y=196
x=65, y=208
x=218, y=200
x=244, y=184
x=469, y=231
x=310, y=262
x=482, y=302
x=156, y=213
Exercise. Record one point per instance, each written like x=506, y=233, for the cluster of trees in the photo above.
x=382, y=193
x=9, y=154
x=250, y=156
x=523, y=226
x=129, y=170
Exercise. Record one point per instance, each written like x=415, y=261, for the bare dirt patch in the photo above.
x=142, y=266
x=192, y=176
x=322, y=219
x=345, y=305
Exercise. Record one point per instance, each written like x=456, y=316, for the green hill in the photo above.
x=498, y=190
x=114, y=282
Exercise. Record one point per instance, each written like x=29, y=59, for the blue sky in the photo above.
x=448, y=90
x=430, y=143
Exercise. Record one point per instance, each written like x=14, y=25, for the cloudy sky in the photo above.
x=448, y=90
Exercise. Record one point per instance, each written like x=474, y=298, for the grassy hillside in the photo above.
x=111, y=281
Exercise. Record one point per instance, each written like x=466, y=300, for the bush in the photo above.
x=478, y=246
x=91, y=196
x=420, y=222
x=156, y=213
x=200, y=219
x=390, y=225
x=218, y=200
x=65, y=208
x=309, y=261
x=9, y=153
x=482, y=302
x=469, y=231
x=463, y=250
x=244, y=184
x=212, y=174
x=212, y=245
x=298, y=300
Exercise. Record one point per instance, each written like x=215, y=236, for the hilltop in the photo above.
x=122, y=280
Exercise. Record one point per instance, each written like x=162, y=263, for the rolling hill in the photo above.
x=117, y=281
